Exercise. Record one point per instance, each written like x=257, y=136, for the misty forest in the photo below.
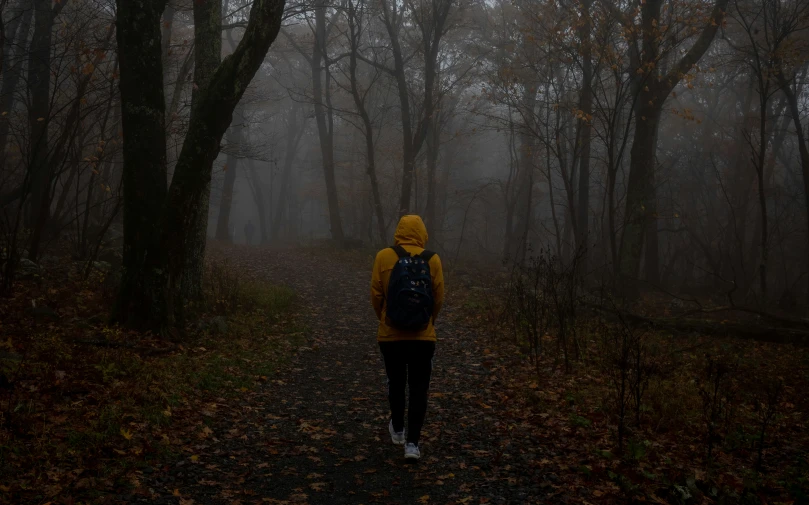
x=193, y=194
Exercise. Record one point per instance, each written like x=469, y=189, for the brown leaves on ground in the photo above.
x=95, y=401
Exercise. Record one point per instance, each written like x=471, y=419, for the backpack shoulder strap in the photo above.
x=427, y=255
x=400, y=251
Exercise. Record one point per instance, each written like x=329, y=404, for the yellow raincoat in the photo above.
x=412, y=235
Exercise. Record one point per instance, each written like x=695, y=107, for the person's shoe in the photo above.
x=412, y=451
x=398, y=437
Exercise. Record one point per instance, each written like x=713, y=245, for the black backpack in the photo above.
x=409, y=303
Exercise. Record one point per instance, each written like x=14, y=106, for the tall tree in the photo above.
x=141, y=297
x=233, y=137
x=178, y=248
x=207, y=57
x=584, y=134
x=652, y=88
x=431, y=20
x=356, y=18
x=16, y=37
x=324, y=117
x=39, y=117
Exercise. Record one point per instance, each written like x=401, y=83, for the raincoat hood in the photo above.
x=411, y=231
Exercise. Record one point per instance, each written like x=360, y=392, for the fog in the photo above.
x=662, y=146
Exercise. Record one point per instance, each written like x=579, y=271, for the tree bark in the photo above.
x=141, y=299
x=207, y=57
x=39, y=85
x=212, y=111
x=651, y=91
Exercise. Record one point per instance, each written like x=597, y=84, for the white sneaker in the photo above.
x=412, y=451
x=398, y=437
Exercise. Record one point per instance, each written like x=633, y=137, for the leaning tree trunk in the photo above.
x=211, y=112
x=234, y=137
x=141, y=296
x=207, y=56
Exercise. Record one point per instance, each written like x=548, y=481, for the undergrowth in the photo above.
x=637, y=413
x=82, y=402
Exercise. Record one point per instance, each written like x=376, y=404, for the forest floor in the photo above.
x=317, y=431
x=292, y=410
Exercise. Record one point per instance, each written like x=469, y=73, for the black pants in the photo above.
x=408, y=362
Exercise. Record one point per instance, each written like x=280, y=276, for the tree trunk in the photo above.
x=39, y=85
x=12, y=71
x=183, y=233
x=652, y=249
x=142, y=293
x=233, y=137
x=759, y=158
x=207, y=56
x=408, y=150
x=294, y=134
x=153, y=304
x=585, y=134
x=639, y=193
x=736, y=229
x=651, y=90
x=525, y=180
x=368, y=131
x=433, y=148
x=803, y=149
x=168, y=25
x=432, y=26
x=326, y=133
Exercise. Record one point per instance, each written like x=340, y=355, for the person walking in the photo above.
x=248, y=231
x=407, y=291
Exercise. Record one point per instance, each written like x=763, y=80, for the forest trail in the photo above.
x=316, y=431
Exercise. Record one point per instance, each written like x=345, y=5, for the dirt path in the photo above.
x=317, y=431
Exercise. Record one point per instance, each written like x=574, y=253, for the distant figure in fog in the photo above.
x=248, y=232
